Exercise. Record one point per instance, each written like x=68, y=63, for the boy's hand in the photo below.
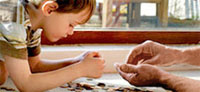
x=93, y=65
x=140, y=75
x=84, y=55
x=155, y=54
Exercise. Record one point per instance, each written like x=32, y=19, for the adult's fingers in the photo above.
x=152, y=61
x=140, y=58
x=126, y=76
x=140, y=52
x=128, y=68
x=132, y=55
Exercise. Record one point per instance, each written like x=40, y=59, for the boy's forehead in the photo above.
x=84, y=15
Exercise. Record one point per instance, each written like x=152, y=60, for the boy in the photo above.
x=20, y=48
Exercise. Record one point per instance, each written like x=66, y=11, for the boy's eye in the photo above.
x=71, y=25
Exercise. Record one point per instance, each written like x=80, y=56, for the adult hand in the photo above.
x=140, y=75
x=155, y=54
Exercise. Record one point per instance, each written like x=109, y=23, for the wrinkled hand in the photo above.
x=93, y=65
x=140, y=75
x=155, y=54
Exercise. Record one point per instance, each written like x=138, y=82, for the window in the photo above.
x=153, y=14
x=134, y=21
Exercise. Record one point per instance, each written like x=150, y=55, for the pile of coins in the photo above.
x=99, y=87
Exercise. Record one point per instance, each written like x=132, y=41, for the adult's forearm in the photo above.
x=179, y=84
x=192, y=56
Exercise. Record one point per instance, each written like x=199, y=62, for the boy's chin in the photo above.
x=53, y=40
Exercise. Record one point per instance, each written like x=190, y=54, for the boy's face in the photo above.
x=60, y=25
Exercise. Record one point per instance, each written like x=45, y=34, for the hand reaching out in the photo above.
x=155, y=54
x=140, y=75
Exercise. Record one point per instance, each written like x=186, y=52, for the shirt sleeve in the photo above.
x=34, y=51
x=13, y=40
x=9, y=50
x=33, y=42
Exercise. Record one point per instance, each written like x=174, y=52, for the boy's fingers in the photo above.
x=94, y=54
x=97, y=55
x=102, y=60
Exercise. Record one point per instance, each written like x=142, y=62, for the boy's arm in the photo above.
x=179, y=84
x=27, y=82
x=43, y=65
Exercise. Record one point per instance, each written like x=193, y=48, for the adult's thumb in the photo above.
x=128, y=68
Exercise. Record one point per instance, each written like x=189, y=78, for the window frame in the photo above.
x=127, y=37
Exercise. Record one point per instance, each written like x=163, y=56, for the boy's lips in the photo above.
x=65, y=35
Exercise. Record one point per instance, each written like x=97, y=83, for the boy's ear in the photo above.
x=48, y=7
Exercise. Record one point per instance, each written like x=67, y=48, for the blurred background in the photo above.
x=146, y=14
x=140, y=14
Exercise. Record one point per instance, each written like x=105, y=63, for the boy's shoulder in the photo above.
x=14, y=34
x=11, y=18
x=13, y=40
x=20, y=36
x=16, y=40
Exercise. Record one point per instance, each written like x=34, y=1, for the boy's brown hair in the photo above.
x=68, y=6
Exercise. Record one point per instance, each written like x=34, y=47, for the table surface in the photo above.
x=116, y=80
x=112, y=79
